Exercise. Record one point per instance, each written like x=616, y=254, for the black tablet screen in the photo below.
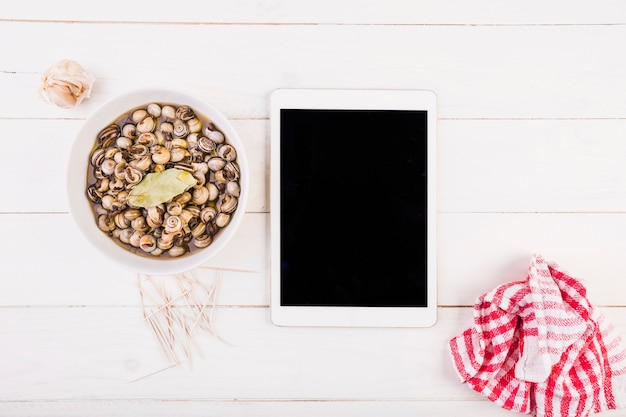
x=353, y=208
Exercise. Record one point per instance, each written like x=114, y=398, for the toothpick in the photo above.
x=219, y=268
x=176, y=326
x=153, y=373
x=164, y=342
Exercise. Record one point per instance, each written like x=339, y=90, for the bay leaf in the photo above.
x=159, y=187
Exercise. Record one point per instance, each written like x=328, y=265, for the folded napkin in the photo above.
x=539, y=347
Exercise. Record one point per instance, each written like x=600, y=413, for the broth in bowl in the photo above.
x=173, y=148
x=164, y=181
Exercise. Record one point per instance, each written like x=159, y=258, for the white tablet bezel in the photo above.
x=338, y=99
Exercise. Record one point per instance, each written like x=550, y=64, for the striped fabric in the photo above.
x=539, y=347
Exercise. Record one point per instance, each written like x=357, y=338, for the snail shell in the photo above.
x=102, y=185
x=180, y=129
x=147, y=243
x=200, y=196
x=129, y=130
x=228, y=204
x=139, y=115
x=206, y=145
x=117, y=205
x=208, y=214
x=160, y=154
x=139, y=224
x=200, y=178
x=94, y=195
x=120, y=157
x=178, y=154
x=184, y=113
x=154, y=110
x=108, y=135
x=220, y=176
x=97, y=173
x=179, y=143
x=212, y=228
x=183, y=198
x=143, y=163
x=125, y=235
x=203, y=240
x=166, y=127
x=215, y=164
x=121, y=221
x=106, y=223
x=116, y=185
x=138, y=150
x=119, y=169
x=164, y=242
x=183, y=166
x=194, y=125
x=109, y=153
x=124, y=142
x=132, y=175
x=186, y=215
x=214, y=133
x=132, y=214
x=108, y=166
x=177, y=251
x=193, y=210
x=222, y=219
x=227, y=152
x=122, y=197
x=233, y=188
x=169, y=112
x=155, y=214
x=174, y=208
x=201, y=167
x=148, y=139
x=97, y=157
x=196, y=155
x=214, y=192
x=146, y=125
x=135, y=238
x=231, y=171
x=107, y=202
x=173, y=224
x=216, y=136
x=198, y=229
x=192, y=140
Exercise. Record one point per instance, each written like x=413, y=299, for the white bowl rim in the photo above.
x=80, y=207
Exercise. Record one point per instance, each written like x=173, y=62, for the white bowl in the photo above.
x=77, y=177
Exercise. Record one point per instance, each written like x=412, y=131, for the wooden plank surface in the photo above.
x=260, y=361
x=477, y=252
x=476, y=71
x=42, y=188
x=261, y=408
x=400, y=12
x=532, y=138
x=554, y=166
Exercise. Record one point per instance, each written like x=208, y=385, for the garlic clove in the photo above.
x=66, y=84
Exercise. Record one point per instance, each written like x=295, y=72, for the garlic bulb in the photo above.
x=66, y=84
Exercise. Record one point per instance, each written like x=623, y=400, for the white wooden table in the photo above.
x=532, y=151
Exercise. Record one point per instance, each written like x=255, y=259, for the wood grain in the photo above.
x=401, y=12
x=476, y=71
x=532, y=107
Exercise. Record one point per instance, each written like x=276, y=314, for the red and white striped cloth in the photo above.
x=539, y=347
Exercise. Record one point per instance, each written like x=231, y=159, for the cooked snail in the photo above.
x=155, y=138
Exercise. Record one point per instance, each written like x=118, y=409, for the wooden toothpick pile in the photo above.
x=176, y=308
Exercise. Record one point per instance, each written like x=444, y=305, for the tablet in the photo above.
x=353, y=214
